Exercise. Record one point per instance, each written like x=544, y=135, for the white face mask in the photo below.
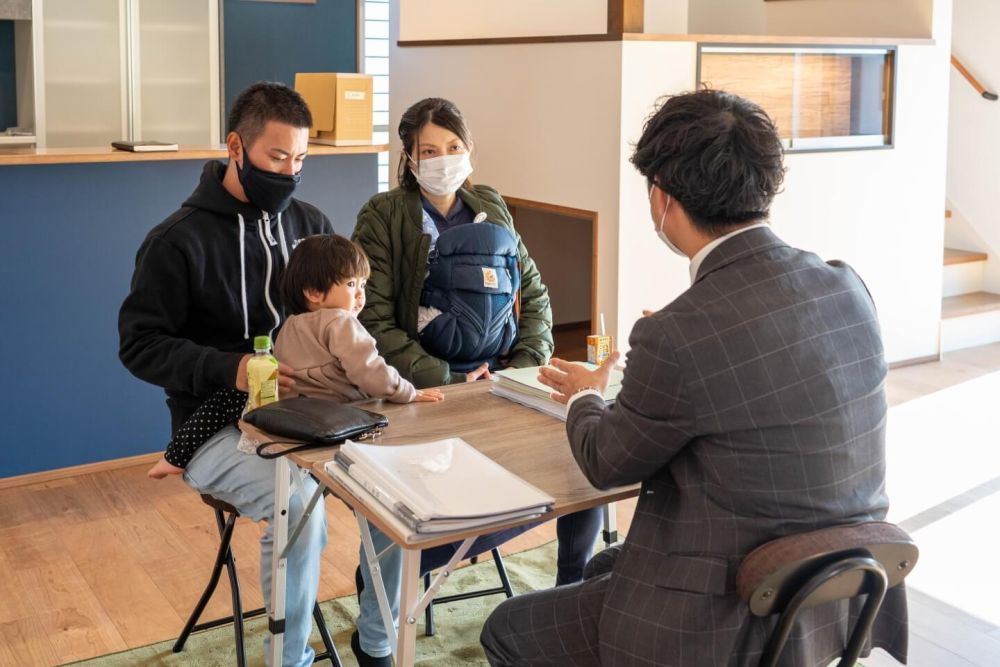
x=659, y=227
x=442, y=175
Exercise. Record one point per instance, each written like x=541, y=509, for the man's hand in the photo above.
x=286, y=383
x=568, y=378
x=241, y=374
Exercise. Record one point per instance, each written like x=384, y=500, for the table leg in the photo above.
x=408, y=595
x=375, y=569
x=279, y=526
x=310, y=506
x=428, y=596
x=610, y=533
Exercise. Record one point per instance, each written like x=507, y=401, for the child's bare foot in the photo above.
x=162, y=469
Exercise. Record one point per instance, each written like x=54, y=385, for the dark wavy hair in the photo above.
x=435, y=110
x=266, y=101
x=718, y=154
x=316, y=264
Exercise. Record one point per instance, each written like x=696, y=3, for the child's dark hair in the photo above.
x=316, y=264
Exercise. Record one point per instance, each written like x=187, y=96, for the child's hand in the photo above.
x=428, y=396
x=483, y=372
x=162, y=469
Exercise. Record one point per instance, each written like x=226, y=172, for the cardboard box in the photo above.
x=341, y=106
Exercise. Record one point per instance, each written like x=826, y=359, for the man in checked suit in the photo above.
x=752, y=408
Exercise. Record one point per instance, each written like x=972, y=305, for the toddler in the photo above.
x=329, y=351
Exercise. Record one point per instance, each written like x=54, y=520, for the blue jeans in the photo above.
x=247, y=483
x=577, y=534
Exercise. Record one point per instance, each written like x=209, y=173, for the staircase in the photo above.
x=970, y=316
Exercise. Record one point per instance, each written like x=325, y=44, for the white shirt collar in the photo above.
x=709, y=247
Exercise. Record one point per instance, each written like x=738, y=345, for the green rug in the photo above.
x=457, y=625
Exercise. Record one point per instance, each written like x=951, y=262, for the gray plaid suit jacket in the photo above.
x=753, y=407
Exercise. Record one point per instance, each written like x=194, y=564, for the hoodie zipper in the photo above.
x=267, y=229
x=270, y=271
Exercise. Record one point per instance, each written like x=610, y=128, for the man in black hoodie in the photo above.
x=206, y=282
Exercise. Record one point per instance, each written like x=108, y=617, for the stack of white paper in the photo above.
x=438, y=486
x=521, y=385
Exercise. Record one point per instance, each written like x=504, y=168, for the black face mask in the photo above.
x=266, y=190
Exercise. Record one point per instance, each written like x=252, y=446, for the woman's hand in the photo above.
x=428, y=396
x=481, y=373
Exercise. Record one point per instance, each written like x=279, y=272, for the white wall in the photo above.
x=665, y=17
x=544, y=120
x=652, y=276
x=856, y=18
x=448, y=19
x=821, y=18
x=881, y=211
x=726, y=17
x=974, y=130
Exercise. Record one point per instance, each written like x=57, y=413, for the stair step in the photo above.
x=956, y=256
x=969, y=304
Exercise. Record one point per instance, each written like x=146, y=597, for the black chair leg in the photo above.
x=234, y=588
x=331, y=650
x=502, y=571
x=220, y=560
x=429, y=611
x=504, y=588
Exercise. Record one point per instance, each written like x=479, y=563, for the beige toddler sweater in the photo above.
x=333, y=356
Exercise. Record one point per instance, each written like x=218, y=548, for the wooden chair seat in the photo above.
x=796, y=572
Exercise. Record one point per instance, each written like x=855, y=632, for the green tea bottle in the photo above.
x=262, y=374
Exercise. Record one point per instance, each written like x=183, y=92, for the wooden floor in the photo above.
x=106, y=561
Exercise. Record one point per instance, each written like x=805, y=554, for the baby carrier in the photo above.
x=474, y=279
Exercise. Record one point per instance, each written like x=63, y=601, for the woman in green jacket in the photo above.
x=399, y=230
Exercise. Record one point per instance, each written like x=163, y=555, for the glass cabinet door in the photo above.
x=84, y=43
x=176, y=71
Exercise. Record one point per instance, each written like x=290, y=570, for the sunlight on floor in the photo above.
x=943, y=460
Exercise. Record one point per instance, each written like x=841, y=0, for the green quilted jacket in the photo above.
x=390, y=230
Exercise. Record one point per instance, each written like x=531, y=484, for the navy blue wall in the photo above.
x=272, y=41
x=70, y=236
x=8, y=88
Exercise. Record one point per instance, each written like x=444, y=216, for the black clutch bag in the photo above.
x=314, y=422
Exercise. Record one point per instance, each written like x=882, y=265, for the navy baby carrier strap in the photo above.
x=475, y=281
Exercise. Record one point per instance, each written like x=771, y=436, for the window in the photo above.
x=373, y=16
x=821, y=98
